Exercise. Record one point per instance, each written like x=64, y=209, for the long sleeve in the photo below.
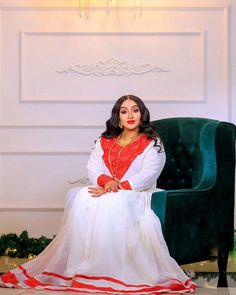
x=95, y=167
x=152, y=166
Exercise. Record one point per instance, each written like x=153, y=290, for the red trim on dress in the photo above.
x=24, y=271
x=127, y=153
x=125, y=185
x=105, y=278
x=9, y=277
x=103, y=179
x=172, y=286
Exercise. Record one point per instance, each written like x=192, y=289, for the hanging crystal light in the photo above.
x=85, y=5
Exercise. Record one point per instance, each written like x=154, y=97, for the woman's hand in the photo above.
x=112, y=186
x=96, y=191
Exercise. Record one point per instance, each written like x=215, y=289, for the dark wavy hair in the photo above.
x=112, y=125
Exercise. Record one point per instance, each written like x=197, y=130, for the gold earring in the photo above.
x=120, y=126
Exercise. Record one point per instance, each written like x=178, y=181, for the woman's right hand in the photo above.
x=112, y=186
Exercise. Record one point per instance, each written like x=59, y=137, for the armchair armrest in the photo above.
x=194, y=221
x=181, y=199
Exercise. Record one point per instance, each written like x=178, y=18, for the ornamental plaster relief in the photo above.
x=111, y=67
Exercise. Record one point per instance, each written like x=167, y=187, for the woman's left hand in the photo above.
x=96, y=191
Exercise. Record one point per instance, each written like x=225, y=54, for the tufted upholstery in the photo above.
x=196, y=208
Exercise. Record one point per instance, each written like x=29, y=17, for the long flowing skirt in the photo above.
x=107, y=245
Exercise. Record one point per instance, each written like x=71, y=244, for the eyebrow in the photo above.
x=131, y=107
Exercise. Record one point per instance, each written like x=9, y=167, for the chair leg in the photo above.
x=222, y=266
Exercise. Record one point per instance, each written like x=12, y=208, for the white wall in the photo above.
x=232, y=59
x=179, y=56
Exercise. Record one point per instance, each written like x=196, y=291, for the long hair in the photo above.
x=112, y=125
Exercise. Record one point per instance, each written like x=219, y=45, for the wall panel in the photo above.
x=48, y=140
x=38, y=180
x=74, y=70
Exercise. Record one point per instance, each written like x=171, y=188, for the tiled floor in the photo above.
x=205, y=273
x=211, y=266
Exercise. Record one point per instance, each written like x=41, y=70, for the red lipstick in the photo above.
x=131, y=121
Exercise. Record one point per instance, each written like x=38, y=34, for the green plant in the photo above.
x=21, y=245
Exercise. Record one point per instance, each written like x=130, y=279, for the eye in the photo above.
x=123, y=112
x=136, y=110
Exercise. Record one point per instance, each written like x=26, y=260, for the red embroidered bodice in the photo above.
x=118, y=158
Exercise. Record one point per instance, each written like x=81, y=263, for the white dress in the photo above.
x=112, y=244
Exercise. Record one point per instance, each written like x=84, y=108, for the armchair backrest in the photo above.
x=190, y=146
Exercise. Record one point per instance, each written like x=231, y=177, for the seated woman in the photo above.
x=110, y=241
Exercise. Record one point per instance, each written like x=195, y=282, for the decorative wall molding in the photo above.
x=31, y=209
x=44, y=126
x=111, y=67
x=48, y=141
x=25, y=34
x=151, y=99
x=45, y=153
x=106, y=68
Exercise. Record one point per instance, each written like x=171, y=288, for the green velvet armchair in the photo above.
x=196, y=208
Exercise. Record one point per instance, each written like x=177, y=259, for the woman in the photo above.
x=110, y=241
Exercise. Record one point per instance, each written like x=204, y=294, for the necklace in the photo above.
x=114, y=172
x=126, y=140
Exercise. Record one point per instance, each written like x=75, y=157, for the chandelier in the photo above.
x=110, y=5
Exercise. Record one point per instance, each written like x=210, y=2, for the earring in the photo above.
x=120, y=125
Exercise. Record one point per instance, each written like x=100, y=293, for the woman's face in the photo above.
x=130, y=116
